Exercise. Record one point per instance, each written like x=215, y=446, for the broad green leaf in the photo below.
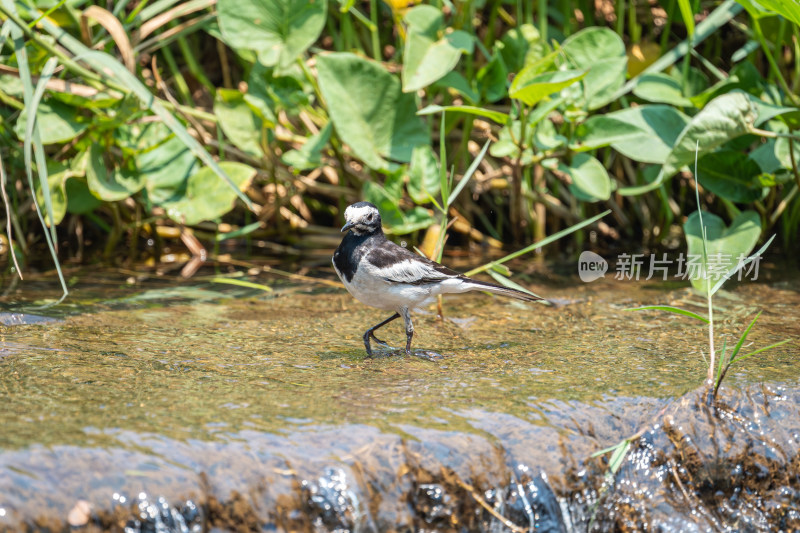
x=543, y=85
x=773, y=156
x=726, y=245
x=740, y=265
x=497, y=116
x=279, y=31
x=80, y=199
x=114, y=185
x=240, y=125
x=267, y=92
x=603, y=130
x=766, y=111
x=206, y=197
x=369, y=111
x=136, y=138
x=113, y=69
x=415, y=219
x=660, y=127
x=458, y=83
x=547, y=138
x=57, y=122
x=590, y=181
x=428, y=56
x=310, y=154
x=165, y=169
x=744, y=76
x=423, y=175
x=723, y=119
x=542, y=65
x=493, y=79
x=521, y=46
x=603, y=54
x=661, y=88
x=386, y=199
x=789, y=9
x=731, y=175
x=507, y=142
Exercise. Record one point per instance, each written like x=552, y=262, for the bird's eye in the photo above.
x=370, y=217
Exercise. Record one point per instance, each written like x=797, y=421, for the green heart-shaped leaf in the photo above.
x=601, y=53
x=206, y=196
x=429, y=56
x=278, y=30
x=368, y=109
x=590, y=181
x=726, y=246
x=731, y=175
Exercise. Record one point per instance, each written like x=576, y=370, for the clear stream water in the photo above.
x=261, y=411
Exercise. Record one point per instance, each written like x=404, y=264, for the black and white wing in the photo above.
x=398, y=265
x=395, y=264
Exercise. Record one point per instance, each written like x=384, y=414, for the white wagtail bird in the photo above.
x=382, y=274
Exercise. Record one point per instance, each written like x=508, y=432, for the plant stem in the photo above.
x=772, y=63
x=373, y=30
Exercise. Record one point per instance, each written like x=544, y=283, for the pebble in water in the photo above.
x=160, y=517
x=530, y=504
x=332, y=505
x=432, y=503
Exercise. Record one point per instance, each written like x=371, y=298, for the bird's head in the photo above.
x=362, y=218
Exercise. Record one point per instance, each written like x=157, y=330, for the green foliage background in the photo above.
x=234, y=119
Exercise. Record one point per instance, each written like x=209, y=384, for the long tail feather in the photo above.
x=475, y=285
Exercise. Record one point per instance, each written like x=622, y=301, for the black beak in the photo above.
x=347, y=226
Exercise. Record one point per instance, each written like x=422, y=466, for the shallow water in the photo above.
x=262, y=409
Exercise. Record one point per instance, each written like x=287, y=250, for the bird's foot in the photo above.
x=427, y=355
x=376, y=339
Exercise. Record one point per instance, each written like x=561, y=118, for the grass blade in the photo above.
x=744, y=337
x=466, y=177
x=504, y=281
x=721, y=360
x=609, y=449
x=242, y=283
x=765, y=348
x=744, y=263
x=8, y=218
x=618, y=456
x=688, y=16
x=30, y=123
x=241, y=232
x=497, y=116
x=28, y=92
x=670, y=309
x=544, y=242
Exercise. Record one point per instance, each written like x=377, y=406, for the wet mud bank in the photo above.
x=734, y=465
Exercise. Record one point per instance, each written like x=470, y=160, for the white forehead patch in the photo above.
x=358, y=213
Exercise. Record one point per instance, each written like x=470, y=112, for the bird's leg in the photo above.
x=409, y=328
x=370, y=333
